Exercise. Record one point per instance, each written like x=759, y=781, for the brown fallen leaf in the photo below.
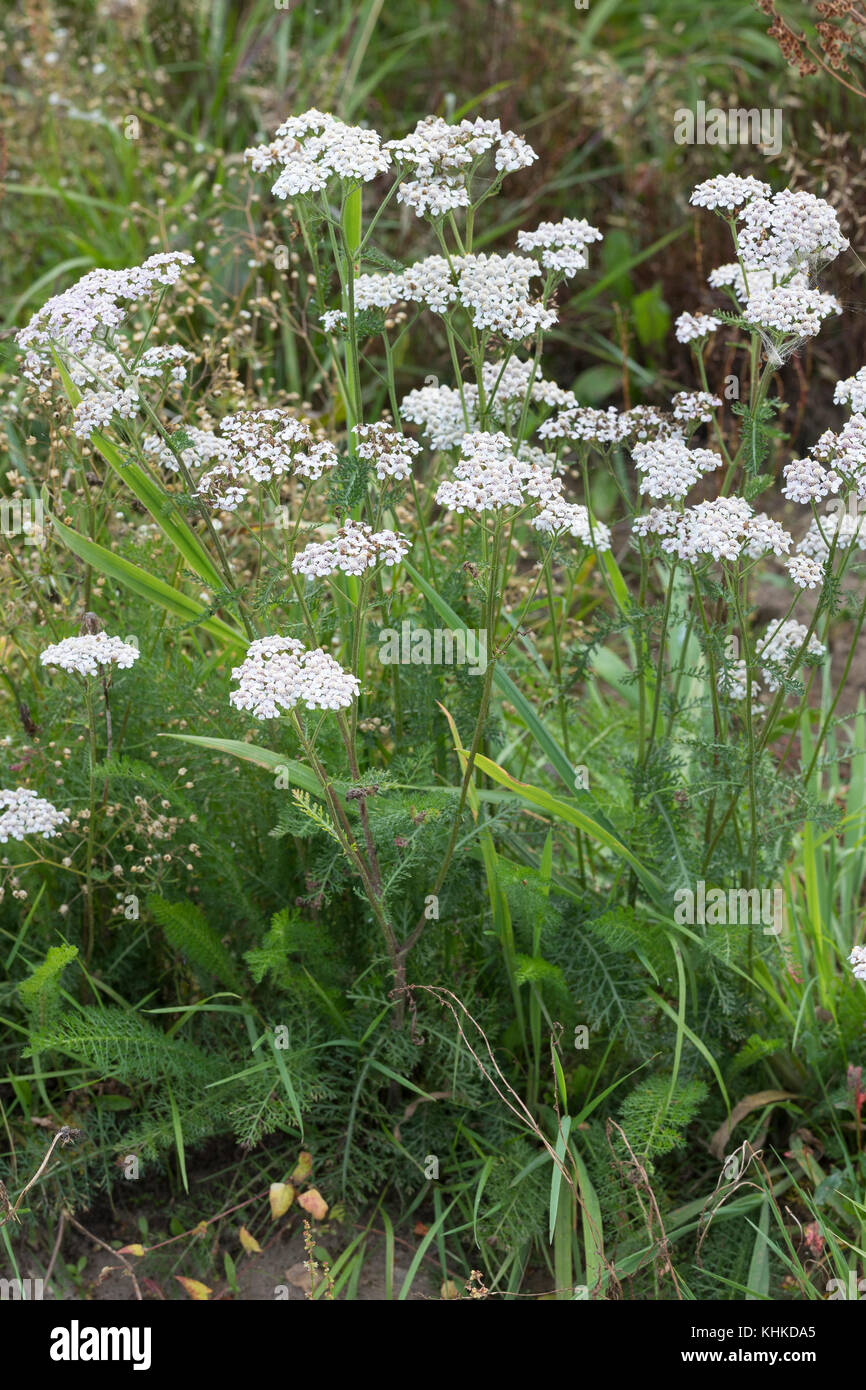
x=280, y=1196
x=200, y=1292
x=756, y=1101
x=313, y=1202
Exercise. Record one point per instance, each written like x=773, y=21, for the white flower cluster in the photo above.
x=156, y=361
x=443, y=158
x=604, y=428
x=89, y=653
x=836, y=458
x=489, y=476
x=724, y=529
x=726, y=192
x=789, y=229
x=354, y=549
x=857, y=961
x=94, y=307
x=25, y=814
x=852, y=391
x=669, y=468
x=429, y=282
x=572, y=518
x=780, y=644
x=694, y=406
x=264, y=445
x=313, y=148
x=267, y=444
x=562, y=244
x=805, y=572
x=390, y=451
x=439, y=412
x=278, y=673
x=793, y=309
x=204, y=447
x=493, y=289
x=96, y=408
x=692, y=327
x=807, y=481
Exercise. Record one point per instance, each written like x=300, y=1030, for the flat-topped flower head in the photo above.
x=506, y=383
x=792, y=310
x=559, y=517
x=90, y=654
x=691, y=328
x=312, y=149
x=439, y=410
x=444, y=157
x=271, y=444
x=727, y=192
x=669, y=468
x=789, y=229
x=279, y=673
x=490, y=476
x=23, y=813
x=354, y=549
x=93, y=308
x=586, y=425
x=156, y=361
x=733, y=681
x=694, y=407
x=722, y=529
x=97, y=409
x=387, y=449
x=805, y=572
x=562, y=245
x=496, y=292
x=221, y=487
x=807, y=480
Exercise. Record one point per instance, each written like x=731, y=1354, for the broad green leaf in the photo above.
x=297, y=773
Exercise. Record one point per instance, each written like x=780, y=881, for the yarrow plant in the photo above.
x=646, y=596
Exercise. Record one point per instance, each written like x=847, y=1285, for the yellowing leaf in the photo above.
x=281, y=1196
x=200, y=1229
x=313, y=1202
x=200, y=1292
x=303, y=1167
x=449, y=1289
x=249, y=1242
x=131, y=1250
